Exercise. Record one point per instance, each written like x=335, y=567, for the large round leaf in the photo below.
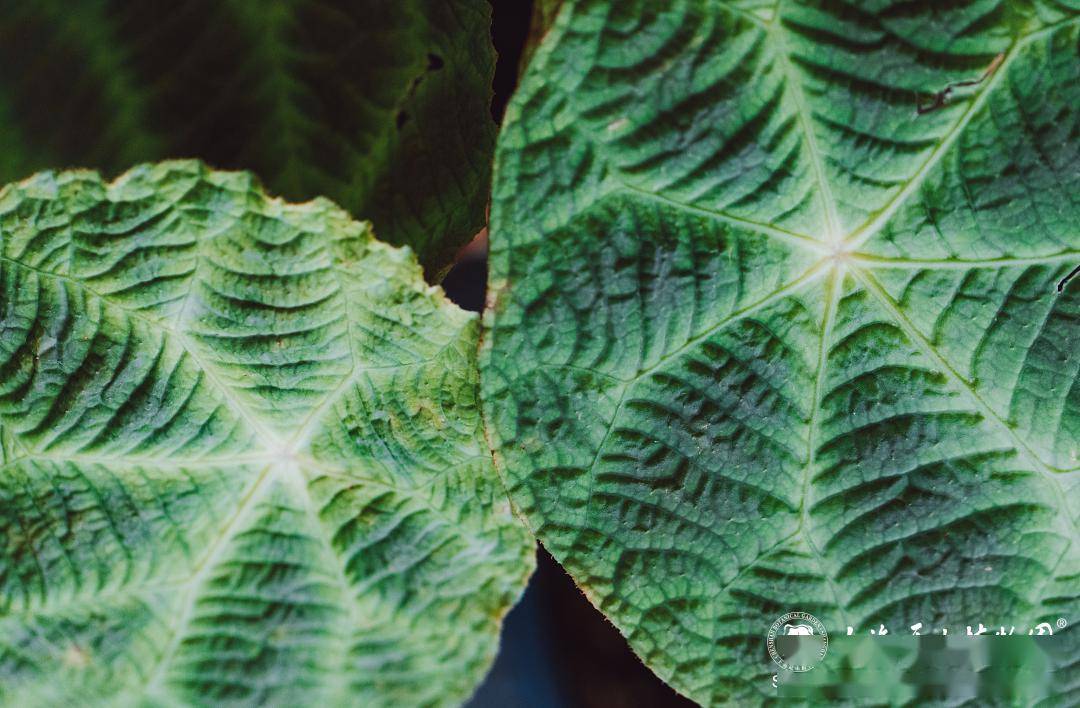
x=381, y=106
x=242, y=455
x=764, y=337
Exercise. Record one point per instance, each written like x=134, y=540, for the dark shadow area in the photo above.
x=558, y=651
x=509, y=31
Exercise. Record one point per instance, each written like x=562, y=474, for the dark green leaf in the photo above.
x=381, y=106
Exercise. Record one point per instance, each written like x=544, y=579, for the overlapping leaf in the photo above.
x=762, y=338
x=381, y=106
x=242, y=455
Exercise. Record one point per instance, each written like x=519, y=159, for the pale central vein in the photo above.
x=926, y=346
x=273, y=468
x=869, y=261
x=878, y=221
x=761, y=303
x=802, y=110
x=739, y=12
x=255, y=427
x=832, y=298
x=789, y=237
x=816, y=270
x=201, y=573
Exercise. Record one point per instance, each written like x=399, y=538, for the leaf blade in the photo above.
x=863, y=444
x=252, y=431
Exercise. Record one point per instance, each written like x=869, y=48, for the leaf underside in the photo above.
x=761, y=338
x=381, y=106
x=242, y=454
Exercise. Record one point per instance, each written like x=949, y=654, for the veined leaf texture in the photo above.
x=762, y=337
x=243, y=459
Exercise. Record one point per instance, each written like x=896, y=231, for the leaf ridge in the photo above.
x=100, y=599
x=789, y=237
x=920, y=340
x=307, y=427
x=832, y=290
x=815, y=270
x=627, y=385
x=877, y=222
x=832, y=217
x=740, y=12
x=200, y=574
x=621, y=183
x=181, y=339
x=873, y=261
x=170, y=462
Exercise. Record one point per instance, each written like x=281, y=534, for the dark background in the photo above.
x=556, y=649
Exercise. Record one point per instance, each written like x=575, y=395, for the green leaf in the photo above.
x=242, y=454
x=762, y=338
x=381, y=106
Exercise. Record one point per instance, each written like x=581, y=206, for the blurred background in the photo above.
x=557, y=649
